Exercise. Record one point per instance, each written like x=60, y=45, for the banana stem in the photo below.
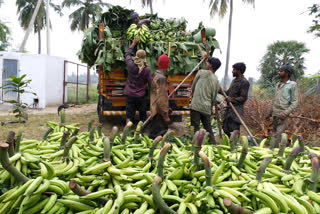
x=166, y=136
x=301, y=142
x=271, y=142
x=194, y=140
x=244, y=151
x=64, y=139
x=283, y=144
x=7, y=165
x=10, y=141
x=315, y=172
x=99, y=128
x=75, y=132
x=17, y=143
x=91, y=135
x=74, y=186
x=234, y=208
x=158, y=200
x=162, y=157
x=153, y=146
x=197, y=147
x=126, y=132
x=262, y=168
x=113, y=134
x=234, y=140
x=293, y=154
x=137, y=133
x=90, y=125
x=68, y=146
x=62, y=117
x=207, y=167
x=46, y=134
x=106, y=149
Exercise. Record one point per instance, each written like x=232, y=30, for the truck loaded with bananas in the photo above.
x=69, y=171
x=163, y=36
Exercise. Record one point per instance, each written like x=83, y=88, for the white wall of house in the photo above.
x=46, y=73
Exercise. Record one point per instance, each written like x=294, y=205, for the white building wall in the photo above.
x=46, y=73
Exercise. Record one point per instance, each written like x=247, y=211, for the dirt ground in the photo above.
x=35, y=127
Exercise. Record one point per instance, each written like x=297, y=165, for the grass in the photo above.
x=82, y=93
x=35, y=127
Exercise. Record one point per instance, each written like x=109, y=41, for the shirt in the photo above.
x=238, y=91
x=136, y=82
x=204, y=88
x=159, y=102
x=285, y=99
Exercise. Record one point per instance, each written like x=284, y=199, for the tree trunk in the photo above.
x=151, y=9
x=228, y=48
x=39, y=41
x=25, y=38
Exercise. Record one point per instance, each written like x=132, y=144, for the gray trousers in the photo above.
x=279, y=126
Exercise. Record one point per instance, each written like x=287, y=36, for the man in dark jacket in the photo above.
x=237, y=95
x=139, y=76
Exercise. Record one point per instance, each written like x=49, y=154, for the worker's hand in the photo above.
x=204, y=56
x=135, y=41
x=283, y=116
x=170, y=110
x=228, y=99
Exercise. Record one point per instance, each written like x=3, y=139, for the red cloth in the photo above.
x=163, y=62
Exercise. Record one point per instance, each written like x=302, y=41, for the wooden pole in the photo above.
x=239, y=117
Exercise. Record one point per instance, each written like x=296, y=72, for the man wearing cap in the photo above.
x=136, y=19
x=159, y=102
x=237, y=95
x=139, y=76
x=284, y=102
x=205, y=88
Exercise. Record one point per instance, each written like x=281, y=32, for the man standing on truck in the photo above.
x=159, y=102
x=205, y=87
x=136, y=20
x=284, y=102
x=237, y=95
x=139, y=76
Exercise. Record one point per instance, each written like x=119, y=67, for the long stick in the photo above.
x=218, y=119
x=185, y=79
x=239, y=117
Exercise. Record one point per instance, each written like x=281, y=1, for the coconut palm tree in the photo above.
x=87, y=12
x=220, y=7
x=147, y=3
x=25, y=10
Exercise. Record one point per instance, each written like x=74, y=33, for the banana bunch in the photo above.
x=69, y=171
x=143, y=33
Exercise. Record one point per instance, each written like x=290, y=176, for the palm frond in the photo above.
x=71, y=3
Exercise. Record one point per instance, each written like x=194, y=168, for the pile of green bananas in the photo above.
x=69, y=171
x=142, y=32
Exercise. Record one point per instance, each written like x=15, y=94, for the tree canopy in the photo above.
x=314, y=10
x=279, y=53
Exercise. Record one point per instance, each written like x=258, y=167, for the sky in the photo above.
x=253, y=29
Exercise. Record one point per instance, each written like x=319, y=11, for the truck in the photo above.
x=106, y=43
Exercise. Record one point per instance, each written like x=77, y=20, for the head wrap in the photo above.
x=287, y=68
x=134, y=15
x=163, y=62
x=140, y=59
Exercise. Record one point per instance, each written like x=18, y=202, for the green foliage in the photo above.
x=279, y=53
x=87, y=12
x=220, y=7
x=18, y=85
x=4, y=36
x=314, y=10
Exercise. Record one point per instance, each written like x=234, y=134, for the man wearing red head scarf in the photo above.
x=159, y=102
